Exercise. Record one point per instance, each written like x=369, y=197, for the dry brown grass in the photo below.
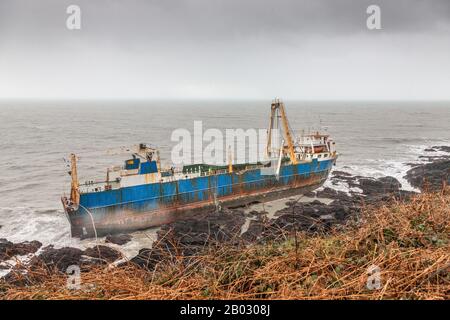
x=409, y=242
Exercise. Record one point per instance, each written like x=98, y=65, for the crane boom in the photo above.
x=74, y=191
x=278, y=107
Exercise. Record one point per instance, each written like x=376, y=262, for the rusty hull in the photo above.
x=114, y=221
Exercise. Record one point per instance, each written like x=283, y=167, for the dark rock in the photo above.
x=27, y=247
x=188, y=237
x=149, y=258
x=119, y=239
x=442, y=148
x=310, y=217
x=5, y=249
x=382, y=185
x=435, y=158
x=430, y=175
x=341, y=212
x=218, y=227
x=104, y=254
x=327, y=193
x=59, y=259
x=310, y=194
x=255, y=230
x=9, y=249
x=342, y=174
x=257, y=213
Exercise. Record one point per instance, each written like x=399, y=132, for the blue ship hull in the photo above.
x=144, y=206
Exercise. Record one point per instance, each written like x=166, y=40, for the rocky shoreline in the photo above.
x=315, y=212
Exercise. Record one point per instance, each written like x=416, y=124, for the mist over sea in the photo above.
x=372, y=138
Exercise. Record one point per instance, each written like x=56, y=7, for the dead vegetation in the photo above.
x=407, y=241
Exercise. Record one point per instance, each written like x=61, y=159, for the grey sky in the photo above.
x=231, y=49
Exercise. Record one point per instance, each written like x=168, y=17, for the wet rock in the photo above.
x=188, y=237
x=430, y=175
x=148, y=258
x=382, y=185
x=327, y=193
x=309, y=217
x=223, y=226
x=257, y=213
x=59, y=259
x=342, y=212
x=119, y=239
x=103, y=254
x=27, y=247
x=4, y=267
x=442, y=148
x=341, y=174
x=5, y=249
x=9, y=249
x=255, y=230
x=310, y=194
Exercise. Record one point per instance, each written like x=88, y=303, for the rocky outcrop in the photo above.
x=101, y=254
x=442, y=148
x=188, y=237
x=9, y=249
x=309, y=217
x=431, y=176
x=434, y=174
x=59, y=259
x=119, y=239
x=381, y=185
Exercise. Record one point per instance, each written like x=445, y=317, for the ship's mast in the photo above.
x=230, y=160
x=278, y=111
x=158, y=161
x=74, y=191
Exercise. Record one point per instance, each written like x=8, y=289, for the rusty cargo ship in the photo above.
x=140, y=194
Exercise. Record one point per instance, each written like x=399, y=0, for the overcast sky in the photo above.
x=233, y=49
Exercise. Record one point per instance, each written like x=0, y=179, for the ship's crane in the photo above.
x=278, y=111
x=74, y=189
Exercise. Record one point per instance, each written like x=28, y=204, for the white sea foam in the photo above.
x=25, y=224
